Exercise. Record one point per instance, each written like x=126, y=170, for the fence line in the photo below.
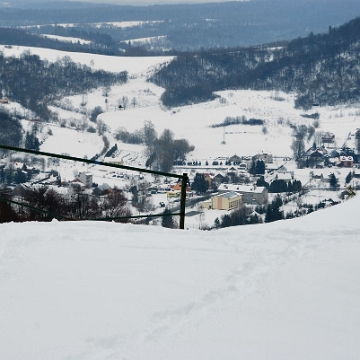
x=183, y=177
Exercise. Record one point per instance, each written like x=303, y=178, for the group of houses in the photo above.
x=227, y=197
x=328, y=154
x=232, y=196
x=17, y=172
x=318, y=157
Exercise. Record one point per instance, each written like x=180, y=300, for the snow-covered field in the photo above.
x=96, y=62
x=85, y=290
x=67, y=39
x=194, y=122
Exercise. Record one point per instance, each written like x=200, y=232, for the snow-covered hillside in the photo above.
x=194, y=123
x=86, y=290
x=97, y=62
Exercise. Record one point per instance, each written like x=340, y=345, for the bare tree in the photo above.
x=115, y=204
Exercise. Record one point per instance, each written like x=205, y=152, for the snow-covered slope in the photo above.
x=194, y=122
x=96, y=62
x=86, y=290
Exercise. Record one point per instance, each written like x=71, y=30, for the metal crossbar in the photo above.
x=183, y=177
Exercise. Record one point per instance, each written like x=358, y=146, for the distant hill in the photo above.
x=322, y=69
x=189, y=27
x=101, y=43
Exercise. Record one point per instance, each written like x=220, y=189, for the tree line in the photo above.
x=238, y=120
x=11, y=132
x=77, y=205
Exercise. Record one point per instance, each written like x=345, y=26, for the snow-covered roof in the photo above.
x=346, y=158
x=230, y=195
x=104, y=186
x=287, y=176
x=241, y=188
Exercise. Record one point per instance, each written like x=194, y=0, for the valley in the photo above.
x=131, y=105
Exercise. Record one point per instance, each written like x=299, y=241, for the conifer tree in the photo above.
x=167, y=220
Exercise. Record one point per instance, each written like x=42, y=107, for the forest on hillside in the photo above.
x=321, y=69
x=99, y=43
x=34, y=83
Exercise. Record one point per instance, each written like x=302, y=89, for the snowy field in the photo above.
x=120, y=24
x=67, y=39
x=96, y=62
x=194, y=122
x=91, y=291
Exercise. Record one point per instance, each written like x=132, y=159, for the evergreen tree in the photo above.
x=7, y=213
x=217, y=223
x=226, y=221
x=11, y=130
x=278, y=186
x=261, y=182
x=348, y=178
x=200, y=184
x=31, y=141
x=20, y=177
x=333, y=181
x=167, y=220
x=273, y=212
x=2, y=175
x=260, y=167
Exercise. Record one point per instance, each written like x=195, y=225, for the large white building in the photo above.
x=251, y=194
x=227, y=201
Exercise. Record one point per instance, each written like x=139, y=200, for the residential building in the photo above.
x=328, y=138
x=231, y=171
x=251, y=194
x=178, y=186
x=267, y=158
x=218, y=178
x=226, y=201
x=86, y=179
x=315, y=157
x=235, y=159
x=346, y=161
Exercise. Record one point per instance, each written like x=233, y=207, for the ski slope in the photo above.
x=89, y=290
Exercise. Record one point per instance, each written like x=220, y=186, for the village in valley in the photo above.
x=250, y=153
x=313, y=178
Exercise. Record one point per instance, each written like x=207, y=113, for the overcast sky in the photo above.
x=129, y=2
x=151, y=2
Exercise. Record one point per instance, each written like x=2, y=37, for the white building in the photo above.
x=251, y=194
x=86, y=178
